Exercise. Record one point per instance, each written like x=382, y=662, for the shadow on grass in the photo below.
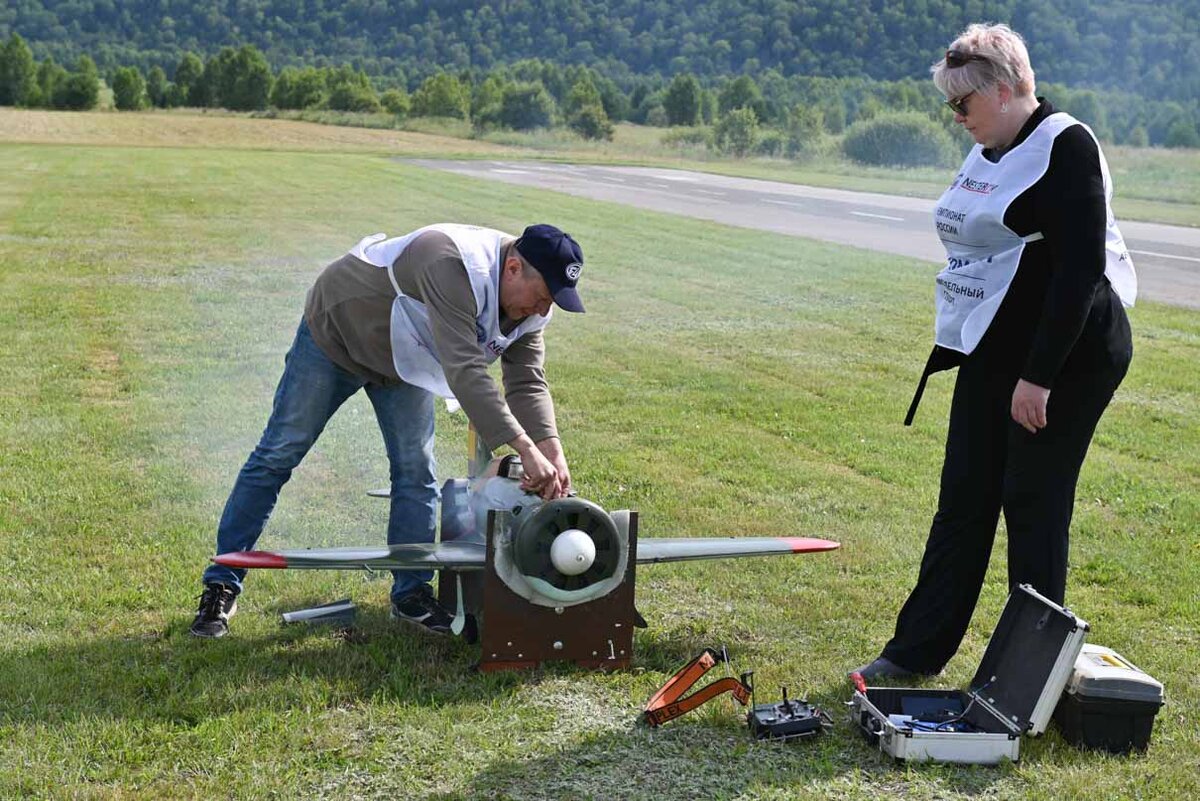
x=711, y=755
x=167, y=675
x=170, y=676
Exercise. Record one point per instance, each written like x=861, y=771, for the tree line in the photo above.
x=1137, y=46
x=768, y=113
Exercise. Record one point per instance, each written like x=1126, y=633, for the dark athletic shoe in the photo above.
x=884, y=668
x=420, y=607
x=218, y=603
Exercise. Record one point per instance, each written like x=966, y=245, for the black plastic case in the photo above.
x=1109, y=704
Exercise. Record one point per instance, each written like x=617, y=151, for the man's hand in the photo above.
x=551, y=448
x=541, y=476
x=1029, y=405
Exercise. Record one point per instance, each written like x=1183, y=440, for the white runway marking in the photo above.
x=784, y=203
x=611, y=178
x=877, y=216
x=708, y=192
x=1164, y=255
x=510, y=172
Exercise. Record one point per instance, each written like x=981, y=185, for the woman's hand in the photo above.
x=1029, y=405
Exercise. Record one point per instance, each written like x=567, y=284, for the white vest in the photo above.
x=982, y=253
x=413, y=351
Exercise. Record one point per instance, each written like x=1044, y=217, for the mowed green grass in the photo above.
x=724, y=381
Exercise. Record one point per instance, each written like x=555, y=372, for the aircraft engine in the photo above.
x=563, y=552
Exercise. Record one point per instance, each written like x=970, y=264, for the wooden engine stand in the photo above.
x=516, y=634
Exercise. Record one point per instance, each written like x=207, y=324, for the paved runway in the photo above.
x=1167, y=257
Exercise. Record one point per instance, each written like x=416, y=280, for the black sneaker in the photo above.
x=218, y=603
x=884, y=668
x=420, y=607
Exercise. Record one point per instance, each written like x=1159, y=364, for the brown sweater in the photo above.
x=349, y=309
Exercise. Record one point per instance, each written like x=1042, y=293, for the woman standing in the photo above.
x=1030, y=309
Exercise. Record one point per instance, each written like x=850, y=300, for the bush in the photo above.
x=683, y=100
x=80, y=90
x=833, y=115
x=352, y=97
x=526, y=106
x=736, y=132
x=905, y=139
x=129, y=89
x=684, y=137
x=742, y=92
x=310, y=89
x=583, y=94
x=1182, y=134
x=805, y=125
x=771, y=143
x=395, y=101
x=189, y=74
x=157, y=88
x=239, y=80
x=486, y=102
x=18, y=72
x=350, y=119
x=49, y=77
x=591, y=122
x=442, y=95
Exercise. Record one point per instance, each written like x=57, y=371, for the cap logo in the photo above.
x=573, y=271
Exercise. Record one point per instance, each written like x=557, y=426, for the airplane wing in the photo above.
x=679, y=549
x=472, y=555
x=422, y=556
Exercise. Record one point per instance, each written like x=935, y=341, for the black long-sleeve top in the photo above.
x=1059, y=309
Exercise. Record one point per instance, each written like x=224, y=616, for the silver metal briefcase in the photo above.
x=1027, y=663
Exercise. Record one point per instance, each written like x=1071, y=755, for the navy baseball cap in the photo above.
x=558, y=258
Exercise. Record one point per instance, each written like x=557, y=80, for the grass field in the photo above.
x=149, y=296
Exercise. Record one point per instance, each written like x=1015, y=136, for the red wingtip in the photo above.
x=245, y=559
x=810, y=544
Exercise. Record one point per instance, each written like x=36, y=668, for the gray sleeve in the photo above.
x=525, y=386
x=432, y=267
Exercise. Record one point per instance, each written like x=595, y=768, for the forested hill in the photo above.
x=1152, y=48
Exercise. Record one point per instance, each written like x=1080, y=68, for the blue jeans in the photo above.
x=310, y=391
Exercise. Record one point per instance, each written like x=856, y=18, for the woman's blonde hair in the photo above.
x=1001, y=57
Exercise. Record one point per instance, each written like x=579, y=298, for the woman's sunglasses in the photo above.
x=955, y=59
x=959, y=105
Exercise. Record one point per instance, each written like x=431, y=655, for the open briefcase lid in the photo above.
x=1029, y=660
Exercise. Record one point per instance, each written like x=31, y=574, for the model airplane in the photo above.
x=472, y=555
x=554, y=579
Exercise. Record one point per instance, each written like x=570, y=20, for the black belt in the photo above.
x=939, y=359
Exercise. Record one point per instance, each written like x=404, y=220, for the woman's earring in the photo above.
x=1003, y=108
